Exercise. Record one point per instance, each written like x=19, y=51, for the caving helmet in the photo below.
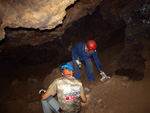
x=91, y=45
x=67, y=66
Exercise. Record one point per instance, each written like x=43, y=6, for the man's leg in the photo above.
x=50, y=104
x=53, y=104
x=76, y=69
x=89, y=69
x=46, y=106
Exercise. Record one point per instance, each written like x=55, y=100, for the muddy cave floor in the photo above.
x=118, y=95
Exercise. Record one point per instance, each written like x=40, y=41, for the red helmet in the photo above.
x=91, y=45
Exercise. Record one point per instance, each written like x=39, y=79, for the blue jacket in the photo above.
x=79, y=51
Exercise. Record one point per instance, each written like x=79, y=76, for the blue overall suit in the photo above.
x=79, y=52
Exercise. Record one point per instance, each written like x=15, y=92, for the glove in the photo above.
x=42, y=90
x=103, y=74
x=86, y=90
x=79, y=63
x=104, y=77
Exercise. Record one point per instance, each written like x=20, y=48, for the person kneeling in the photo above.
x=69, y=91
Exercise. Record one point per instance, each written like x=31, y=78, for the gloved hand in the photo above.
x=103, y=74
x=104, y=77
x=42, y=90
x=86, y=90
x=79, y=63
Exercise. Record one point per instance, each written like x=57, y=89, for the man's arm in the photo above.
x=83, y=97
x=45, y=95
x=50, y=92
x=75, y=53
x=97, y=62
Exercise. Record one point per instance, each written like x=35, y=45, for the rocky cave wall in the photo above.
x=136, y=14
x=45, y=14
x=131, y=16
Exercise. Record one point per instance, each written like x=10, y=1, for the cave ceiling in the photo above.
x=58, y=15
x=43, y=14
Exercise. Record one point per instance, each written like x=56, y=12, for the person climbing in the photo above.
x=83, y=51
x=69, y=91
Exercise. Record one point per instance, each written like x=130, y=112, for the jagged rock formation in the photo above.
x=136, y=15
x=45, y=14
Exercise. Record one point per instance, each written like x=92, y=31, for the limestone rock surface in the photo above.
x=45, y=14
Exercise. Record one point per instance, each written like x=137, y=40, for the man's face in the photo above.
x=67, y=72
x=91, y=51
x=88, y=51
